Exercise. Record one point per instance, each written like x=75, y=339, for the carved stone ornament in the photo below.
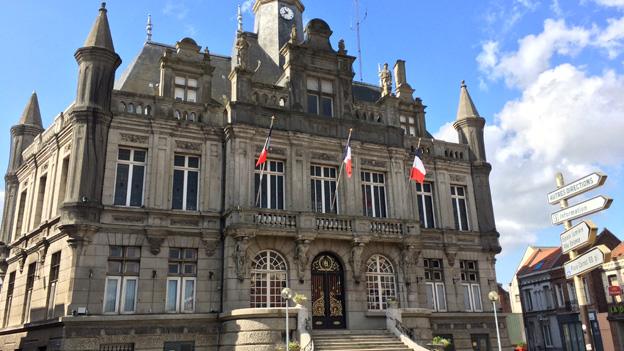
x=373, y=163
x=187, y=145
x=451, y=254
x=43, y=249
x=242, y=52
x=457, y=178
x=409, y=256
x=323, y=156
x=132, y=138
x=301, y=257
x=22, y=259
x=385, y=77
x=210, y=245
x=293, y=34
x=356, y=260
x=155, y=243
x=341, y=47
x=240, y=256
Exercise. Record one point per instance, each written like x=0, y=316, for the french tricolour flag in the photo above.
x=418, y=171
x=347, y=160
x=265, y=150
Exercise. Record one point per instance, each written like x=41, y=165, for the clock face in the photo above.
x=287, y=13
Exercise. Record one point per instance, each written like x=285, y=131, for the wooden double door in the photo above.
x=328, y=302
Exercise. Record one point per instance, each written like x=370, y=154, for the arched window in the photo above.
x=177, y=115
x=192, y=117
x=380, y=282
x=122, y=106
x=148, y=110
x=139, y=109
x=268, y=278
x=131, y=107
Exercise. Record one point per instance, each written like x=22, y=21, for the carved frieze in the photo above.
x=373, y=163
x=457, y=178
x=187, y=145
x=272, y=150
x=323, y=156
x=184, y=222
x=128, y=219
x=133, y=138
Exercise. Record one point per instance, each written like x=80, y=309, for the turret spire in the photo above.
x=32, y=115
x=466, y=108
x=148, y=28
x=100, y=34
x=239, y=19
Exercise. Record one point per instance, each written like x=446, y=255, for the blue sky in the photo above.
x=547, y=75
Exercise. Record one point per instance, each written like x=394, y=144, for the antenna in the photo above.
x=357, y=31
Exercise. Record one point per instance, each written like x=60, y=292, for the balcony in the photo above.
x=292, y=222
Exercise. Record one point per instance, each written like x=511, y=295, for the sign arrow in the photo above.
x=584, y=208
x=577, y=187
x=579, y=236
x=587, y=261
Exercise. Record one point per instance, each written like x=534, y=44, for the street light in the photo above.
x=493, y=296
x=287, y=295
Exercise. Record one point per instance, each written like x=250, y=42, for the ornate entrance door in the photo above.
x=328, y=306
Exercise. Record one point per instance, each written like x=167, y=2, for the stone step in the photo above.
x=357, y=340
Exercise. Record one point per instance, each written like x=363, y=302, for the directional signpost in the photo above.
x=580, y=236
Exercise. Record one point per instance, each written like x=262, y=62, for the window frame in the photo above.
x=55, y=267
x=456, y=201
x=547, y=333
x=373, y=187
x=421, y=197
x=376, y=277
x=9, y=299
x=30, y=283
x=436, y=295
x=185, y=87
x=131, y=163
x=186, y=169
x=408, y=124
x=268, y=174
x=265, y=274
x=325, y=181
x=180, y=293
x=472, y=297
x=320, y=95
x=122, y=279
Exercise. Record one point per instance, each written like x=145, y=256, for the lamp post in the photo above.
x=493, y=296
x=287, y=295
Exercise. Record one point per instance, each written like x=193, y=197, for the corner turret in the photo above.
x=469, y=125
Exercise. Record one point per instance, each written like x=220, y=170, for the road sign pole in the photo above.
x=578, y=282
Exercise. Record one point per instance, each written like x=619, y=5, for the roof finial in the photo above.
x=103, y=6
x=463, y=83
x=148, y=28
x=239, y=18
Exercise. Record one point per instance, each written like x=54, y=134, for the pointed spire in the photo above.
x=239, y=19
x=148, y=28
x=466, y=108
x=31, y=114
x=100, y=34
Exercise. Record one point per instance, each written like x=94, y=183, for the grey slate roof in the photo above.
x=32, y=115
x=366, y=92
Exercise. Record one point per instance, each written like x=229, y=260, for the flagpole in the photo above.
x=263, y=167
x=333, y=200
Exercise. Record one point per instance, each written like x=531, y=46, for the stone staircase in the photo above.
x=357, y=340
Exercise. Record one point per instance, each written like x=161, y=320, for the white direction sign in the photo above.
x=584, y=208
x=587, y=261
x=577, y=187
x=579, y=236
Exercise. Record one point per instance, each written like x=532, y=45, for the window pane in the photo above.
x=133, y=252
x=441, y=294
x=178, y=189
x=179, y=161
x=326, y=106
x=312, y=84
x=115, y=251
x=110, y=295
x=467, y=304
x=179, y=93
x=430, y=303
x=191, y=95
x=476, y=295
x=174, y=268
x=121, y=184
x=189, y=295
x=174, y=253
x=130, y=296
x=124, y=154
x=136, y=191
x=180, y=80
x=114, y=267
x=191, y=191
x=192, y=83
x=190, y=268
x=454, y=201
x=464, y=214
x=190, y=254
x=131, y=267
x=313, y=104
x=280, y=192
x=172, y=295
x=327, y=87
x=429, y=207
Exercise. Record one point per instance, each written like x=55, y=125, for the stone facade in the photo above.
x=102, y=240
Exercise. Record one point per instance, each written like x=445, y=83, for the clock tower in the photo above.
x=274, y=20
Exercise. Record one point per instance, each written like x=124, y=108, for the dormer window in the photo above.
x=320, y=96
x=185, y=89
x=408, y=124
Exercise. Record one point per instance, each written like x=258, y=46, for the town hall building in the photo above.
x=138, y=220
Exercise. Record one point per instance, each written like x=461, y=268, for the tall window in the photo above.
x=40, y=197
x=425, y=205
x=547, y=334
x=408, y=124
x=586, y=290
x=528, y=300
x=470, y=286
x=268, y=278
x=20, y=213
x=130, y=177
x=55, y=265
x=9, y=299
x=185, y=89
x=62, y=184
x=323, y=188
x=460, y=211
x=185, y=182
x=181, y=280
x=380, y=282
x=320, y=96
x=548, y=298
x=434, y=283
x=122, y=279
x=272, y=193
x=30, y=282
x=559, y=294
x=373, y=194
x=572, y=294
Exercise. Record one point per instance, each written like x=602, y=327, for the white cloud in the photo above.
x=611, y=3
x=611, y=37
x=175, y=9
x=247, y=6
